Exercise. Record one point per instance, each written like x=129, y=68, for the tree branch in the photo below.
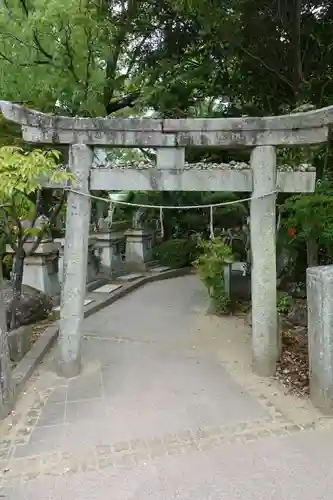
x=271, y=70
x=17, y=219
x=7, y=229
x=22, y=65
x=89, y=61
x=35, y=34
x=69, y=53
x=150, y=156
x=112, y=60
x=57, y=209
x=47, y=226
x=125, y=102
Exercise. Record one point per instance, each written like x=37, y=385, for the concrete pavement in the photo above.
x=166, y=408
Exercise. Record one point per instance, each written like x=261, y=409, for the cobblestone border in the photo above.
x=16, y=471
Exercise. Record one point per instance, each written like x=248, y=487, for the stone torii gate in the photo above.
x=171, y=137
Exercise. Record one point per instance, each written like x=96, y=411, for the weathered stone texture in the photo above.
x=320, y=335
x=265, y=344
x=298, y=128
x=75, y=264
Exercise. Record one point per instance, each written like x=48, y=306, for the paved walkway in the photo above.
x=166, y=408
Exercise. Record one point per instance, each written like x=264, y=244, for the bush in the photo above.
x=214, y=256
x=176, y=253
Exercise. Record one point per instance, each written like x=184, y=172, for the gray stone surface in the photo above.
x=41, y=269
x=260, y=470
x=130, y=277
x=320, y=335
x=194, y=180
x=107, y=288
x=298, y=128
x=75, y=264
x=157, y=415
x=160, y=269
x=19, y=343
x=265, y=343
x=138, y=249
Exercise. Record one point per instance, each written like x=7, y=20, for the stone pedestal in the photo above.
x=41, y=269
x=108, y=247
x=138, y=249
x=265, y=341
x=320, y=336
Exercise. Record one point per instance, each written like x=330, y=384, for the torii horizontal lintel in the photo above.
x=308, y=127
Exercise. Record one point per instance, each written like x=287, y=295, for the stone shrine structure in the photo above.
x=170, y=137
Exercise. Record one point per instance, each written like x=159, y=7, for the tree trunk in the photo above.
x=312, y=252
x=17, y=285
x=6, y=382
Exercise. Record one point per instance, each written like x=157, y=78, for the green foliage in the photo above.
x=21, y=177
x=214, y=255
x=284, y=303
x=311, y=215
x=23, y=172
x=176, y=253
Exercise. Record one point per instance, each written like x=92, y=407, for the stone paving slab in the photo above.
x=109, y=288
x=156, y=414
x=130, y=277
x=160, y=269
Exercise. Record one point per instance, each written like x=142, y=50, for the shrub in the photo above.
x=284, y=304
x=176, y=253
x=214, y=256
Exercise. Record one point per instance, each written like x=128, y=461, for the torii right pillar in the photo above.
x=265, y=335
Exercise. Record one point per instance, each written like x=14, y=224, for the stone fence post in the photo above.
x=320, y=336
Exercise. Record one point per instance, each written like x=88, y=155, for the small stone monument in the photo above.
x=108, y=247
x=41, y=267
x=138, y=249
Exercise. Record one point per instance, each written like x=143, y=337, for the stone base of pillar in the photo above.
x=320, y=336
x=70, y=369
x=41, y=269
x=139, y=245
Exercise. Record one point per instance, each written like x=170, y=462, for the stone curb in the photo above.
x=24, y=369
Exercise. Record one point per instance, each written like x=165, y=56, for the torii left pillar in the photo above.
x=75, y=263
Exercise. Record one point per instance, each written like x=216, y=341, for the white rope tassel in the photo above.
x=211, y=223
x=162, y=222
x=110, y=214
